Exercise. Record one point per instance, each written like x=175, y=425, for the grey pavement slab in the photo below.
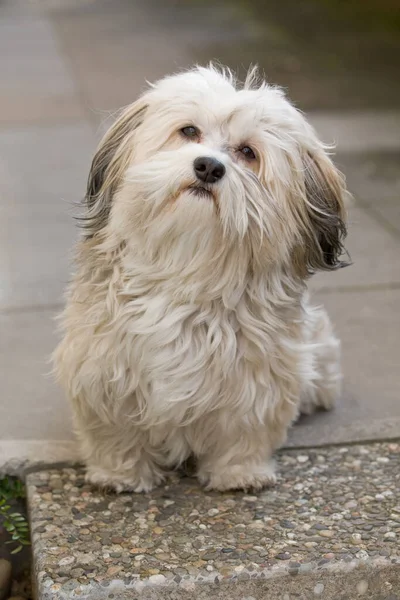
x=113, y=76
x=36, y=83
x=114, y=49
x=390, y=212
x=368, y=324
x=17, y=7
x=328, y=58
x=374, y=251
x=329, y=529
x=374, y=178
x=43, y=174
x=114, y=53
x=293, y=47
x=32, y=407
x=358, y=131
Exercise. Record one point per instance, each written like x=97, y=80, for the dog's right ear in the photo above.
x=108, y=166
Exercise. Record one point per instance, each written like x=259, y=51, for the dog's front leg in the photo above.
x=117, y=456
x=239, y=456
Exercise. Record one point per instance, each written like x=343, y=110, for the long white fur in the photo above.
x=188, y=329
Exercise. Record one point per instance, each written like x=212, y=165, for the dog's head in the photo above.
x=199, y=164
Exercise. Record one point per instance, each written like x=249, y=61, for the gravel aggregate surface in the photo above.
x=332, y=510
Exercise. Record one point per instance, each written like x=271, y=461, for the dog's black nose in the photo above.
x=208, y=169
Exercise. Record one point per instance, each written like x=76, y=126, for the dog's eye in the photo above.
x=247, y=153
x=190, y=131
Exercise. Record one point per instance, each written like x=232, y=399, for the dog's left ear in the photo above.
x=325, y=194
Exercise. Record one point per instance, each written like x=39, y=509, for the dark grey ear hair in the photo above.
x=325, y=196
x=108, y=166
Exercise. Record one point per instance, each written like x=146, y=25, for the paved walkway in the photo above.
x=66, y=65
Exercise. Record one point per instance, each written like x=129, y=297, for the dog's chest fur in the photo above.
x=175, y=362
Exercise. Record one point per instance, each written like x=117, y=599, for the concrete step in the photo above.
x=330, y=528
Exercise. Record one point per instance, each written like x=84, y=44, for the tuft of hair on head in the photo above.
x=221, y=71
x=254, y=79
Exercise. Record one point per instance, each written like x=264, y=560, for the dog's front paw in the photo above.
x=315, y=401
x=239, y=477
x=137, y=483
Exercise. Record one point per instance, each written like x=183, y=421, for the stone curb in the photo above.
x=329, y=529
x=373, y=580
x=17, y=457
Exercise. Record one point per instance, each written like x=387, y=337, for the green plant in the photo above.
x=14, y=523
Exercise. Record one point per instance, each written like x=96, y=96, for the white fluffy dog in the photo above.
x=188, y=329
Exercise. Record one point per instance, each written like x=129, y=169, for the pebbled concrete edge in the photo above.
x=377, y=579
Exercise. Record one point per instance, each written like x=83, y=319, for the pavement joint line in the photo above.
x=11, y=310
x=42, y=123
x=364, y=442
x=24, y=465
x=380, y=219
x=372, y=287
x=369, y=287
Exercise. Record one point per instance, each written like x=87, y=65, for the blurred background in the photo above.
x=67, y=65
